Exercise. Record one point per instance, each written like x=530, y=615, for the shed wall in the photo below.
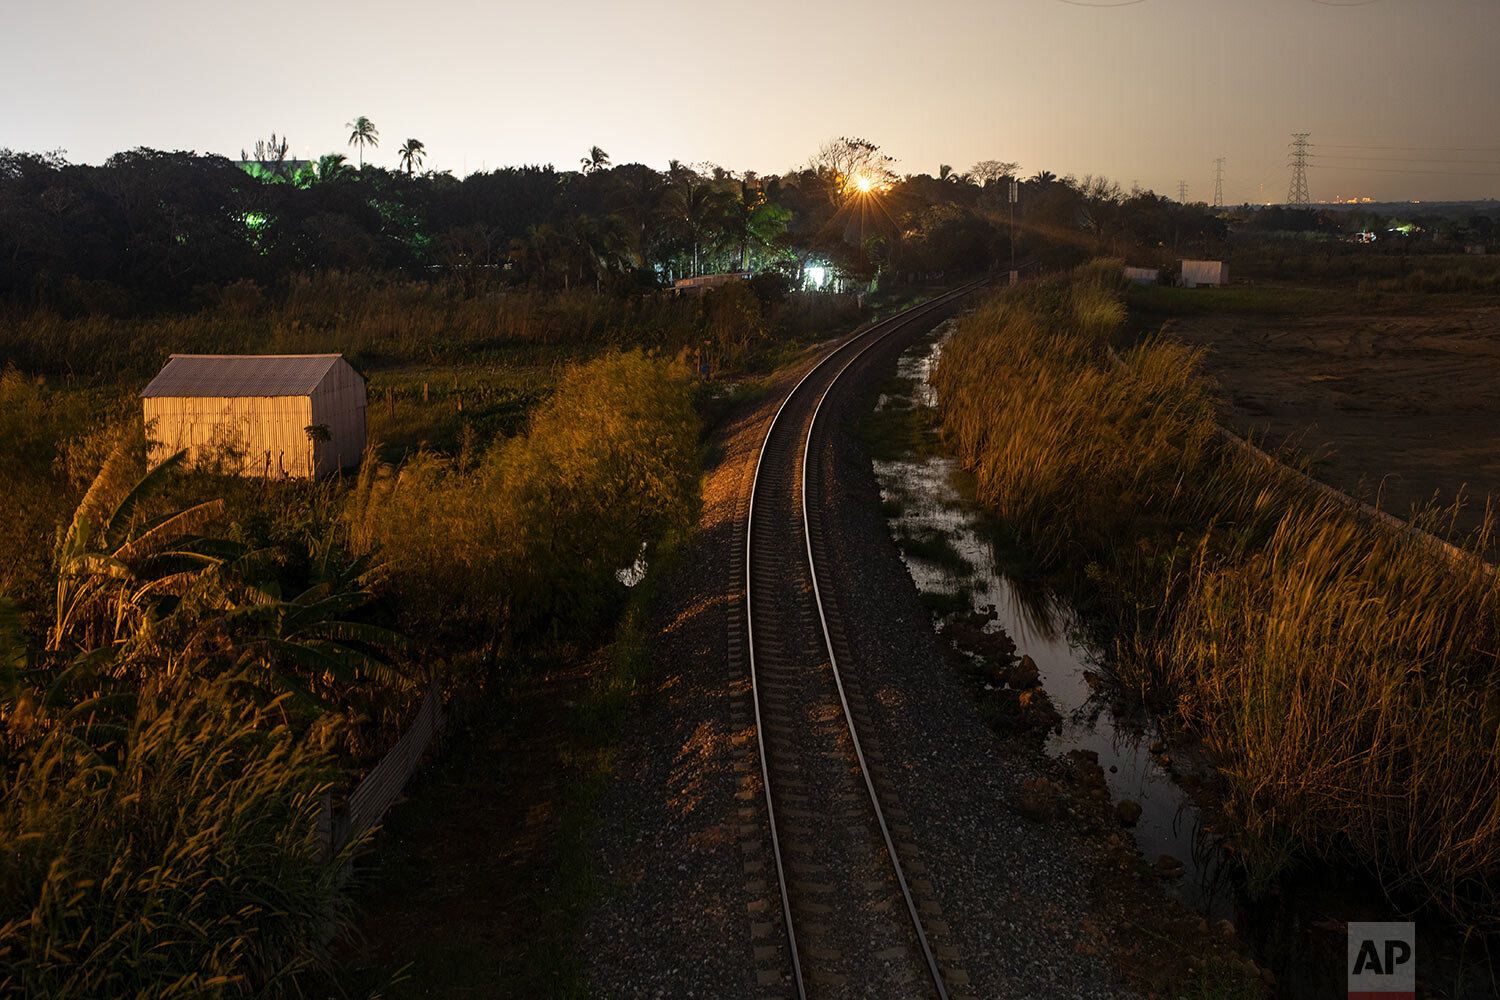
x=339, y=403
x=267, y=434
x=1204, y=272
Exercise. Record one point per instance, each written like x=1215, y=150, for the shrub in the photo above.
x=528, y=537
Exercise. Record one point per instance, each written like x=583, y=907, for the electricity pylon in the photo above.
x=1297, y=195
x=1182, y=192
x=1219, y=182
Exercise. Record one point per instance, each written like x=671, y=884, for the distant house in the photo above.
x=704, y=282
x=299, y=415
x=1143, y=275
x=1477, y=249
x=1203, y=274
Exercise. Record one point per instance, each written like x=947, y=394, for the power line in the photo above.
x=1402, y=159
x=1416, y=170
x=1428, y=149
x=1297, y=195
x=1219, y=182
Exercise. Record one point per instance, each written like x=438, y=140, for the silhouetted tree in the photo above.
x=362, y=133
x=597, y=159
x=410, y=155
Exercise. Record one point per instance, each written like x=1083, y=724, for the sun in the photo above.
x=862, y=183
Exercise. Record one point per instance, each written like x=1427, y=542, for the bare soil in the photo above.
x=1402, y=405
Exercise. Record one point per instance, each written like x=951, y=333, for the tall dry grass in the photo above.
x=1344, y=674
x=1047, y=424
x=379, y=322
x=186, y=865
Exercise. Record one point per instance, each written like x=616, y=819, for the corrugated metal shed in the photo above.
x=241, y=375
x=1203, y=273
x=260, y=414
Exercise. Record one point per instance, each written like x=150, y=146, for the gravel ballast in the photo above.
x=680, y=912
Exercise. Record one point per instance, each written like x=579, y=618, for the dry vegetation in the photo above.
x=380, y=322
x=1345, y=678
x=198, y=659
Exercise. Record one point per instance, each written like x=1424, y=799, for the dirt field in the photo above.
x=1404, y=403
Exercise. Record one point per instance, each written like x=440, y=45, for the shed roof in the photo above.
x=241, y=375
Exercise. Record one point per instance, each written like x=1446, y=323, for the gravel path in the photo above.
x=678, y=913
x=685, y=909
x=1014, y=892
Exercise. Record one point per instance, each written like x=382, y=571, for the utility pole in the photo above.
x=1219, y=182
x=1297, y=196
x=1015, y=195
x=1182, y=192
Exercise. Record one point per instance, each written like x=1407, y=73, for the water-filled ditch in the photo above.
x=952, y=552
x=923, y=497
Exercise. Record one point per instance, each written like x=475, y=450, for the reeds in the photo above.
x=1343, y=673
x=189, y=865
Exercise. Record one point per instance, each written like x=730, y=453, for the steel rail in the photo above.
x=891, y=325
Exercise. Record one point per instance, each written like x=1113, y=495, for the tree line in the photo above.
x=150, y=228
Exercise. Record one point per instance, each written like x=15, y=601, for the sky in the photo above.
x=1401, y=97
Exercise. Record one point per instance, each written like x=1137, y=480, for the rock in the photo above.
x=1092, y=679
x=1268, y=977
x=1037, y=711
x=1040, y=798
x=1226, y=929
x=1168, y=866
x=1156, y=747
x=1023, y=674
x=1128, y=812
x=1086, y=766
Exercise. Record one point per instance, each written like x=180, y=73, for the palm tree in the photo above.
x=752, y=220
x=698, y=212
x=597, y=159
x=331, y=167
x=364, y=134
x=410, y=155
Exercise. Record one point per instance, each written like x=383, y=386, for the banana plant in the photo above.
x=308, y=644
x=113, y=570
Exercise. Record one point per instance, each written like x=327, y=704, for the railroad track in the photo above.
x=853, y=925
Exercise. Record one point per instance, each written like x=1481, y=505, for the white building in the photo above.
x=1203, y=274
x=297, y=415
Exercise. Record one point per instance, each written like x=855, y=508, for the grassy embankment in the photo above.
x=1344, y=677
x=208, y=663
